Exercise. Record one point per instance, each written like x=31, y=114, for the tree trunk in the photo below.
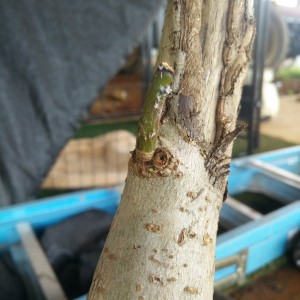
x=162, y=241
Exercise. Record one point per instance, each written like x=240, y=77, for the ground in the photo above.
x=285, y=125
x=280, y=284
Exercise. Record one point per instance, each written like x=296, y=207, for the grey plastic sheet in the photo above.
x=55, y=57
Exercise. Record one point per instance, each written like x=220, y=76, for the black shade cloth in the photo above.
x=73, y=247
x=55, y=56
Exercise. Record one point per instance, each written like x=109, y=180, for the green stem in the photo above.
x=154, y=104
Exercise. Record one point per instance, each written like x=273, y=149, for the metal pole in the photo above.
x=262, y=14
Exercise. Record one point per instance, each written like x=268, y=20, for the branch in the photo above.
x=153, y=108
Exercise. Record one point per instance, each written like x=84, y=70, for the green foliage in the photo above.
x=92, y=130
x=287, y=73
x=267, y=143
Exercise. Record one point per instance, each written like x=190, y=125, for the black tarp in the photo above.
x=55, y=56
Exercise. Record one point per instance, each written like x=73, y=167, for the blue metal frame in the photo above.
x=265, y=239
x=244, y=177
x=42, y=213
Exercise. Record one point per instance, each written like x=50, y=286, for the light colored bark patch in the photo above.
x=191, y=290
x=207, y=239
x=171, y=279
x=182, y=237
x=155, y=279
x=161, y=263
x=153, y=227
x=138, y=287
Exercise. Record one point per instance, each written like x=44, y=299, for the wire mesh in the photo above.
x=101, y=161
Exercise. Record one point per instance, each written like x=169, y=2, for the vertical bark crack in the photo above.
x=236, y=58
